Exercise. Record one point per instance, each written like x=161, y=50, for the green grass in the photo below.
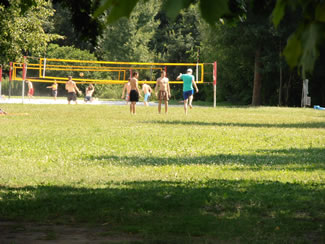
x=234, y=174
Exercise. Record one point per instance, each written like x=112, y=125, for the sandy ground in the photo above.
x=80, y=101
x=19, y=233
x=64, y=101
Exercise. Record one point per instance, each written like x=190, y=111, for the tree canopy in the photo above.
x=302, y=48
x=303, y=45
x=23, y=28
x=247, y=37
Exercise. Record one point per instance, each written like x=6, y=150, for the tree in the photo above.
x=63, y=25
x=23, y=29
x=304, y=44
x=85, y=26
x=128, y=39
x=302, y=48
x=236, y=47
x=177, y=42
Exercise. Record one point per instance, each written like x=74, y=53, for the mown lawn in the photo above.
x=234, y=174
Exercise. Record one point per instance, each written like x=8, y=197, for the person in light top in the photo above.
x=147, y=93
x=188, y=91
x=30, y=89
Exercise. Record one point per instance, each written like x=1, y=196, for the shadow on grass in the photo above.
x=309, y=125
x=246, y=211
x=294, y=159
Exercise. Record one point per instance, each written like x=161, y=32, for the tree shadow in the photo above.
x=307, y=125
x=298, y=159
x=245, y=211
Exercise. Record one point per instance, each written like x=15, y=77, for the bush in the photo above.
x=15, y=87
x=109, y=91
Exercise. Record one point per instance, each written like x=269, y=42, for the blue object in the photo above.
x=319, y=107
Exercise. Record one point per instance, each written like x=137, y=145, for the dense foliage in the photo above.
x=251, y=67
x=24, y=30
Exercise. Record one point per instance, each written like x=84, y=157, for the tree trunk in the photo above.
x=280, y=88
x=280, y=73
x=256, y=100
x=287, y=90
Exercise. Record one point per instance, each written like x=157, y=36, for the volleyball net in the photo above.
x=50, y=70
x=99, y=72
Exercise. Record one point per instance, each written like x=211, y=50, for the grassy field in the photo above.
x=233, y=174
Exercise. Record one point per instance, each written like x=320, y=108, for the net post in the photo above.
x=197, y=64
x=44, y=67
x=214, y=84
x=40, y=68
x=0, y=79
x=197, y=72
x=23, y=80
x=10, y=70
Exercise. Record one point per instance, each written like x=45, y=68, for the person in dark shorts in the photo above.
x=134, y=96
x=72, y=88
x=134, y=93
x=188, y=91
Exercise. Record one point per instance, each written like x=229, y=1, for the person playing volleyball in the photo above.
x=188, y=83
x=30, y=89
x=89, y=93
x=147, y=93
x=126, y=92
x=164, y=91
x=72, y=88
x=134, y=93
x=54, y=88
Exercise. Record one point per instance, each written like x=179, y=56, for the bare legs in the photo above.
x=75, y=102
x=185, y=106
x=132, y=108
x=159, y=106
x=189, y=101
x=166, y=106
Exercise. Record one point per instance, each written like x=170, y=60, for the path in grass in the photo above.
x=232, y=174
